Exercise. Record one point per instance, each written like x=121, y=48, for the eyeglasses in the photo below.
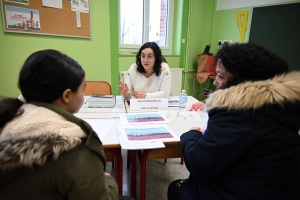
x=222, y=76
x=149, y=57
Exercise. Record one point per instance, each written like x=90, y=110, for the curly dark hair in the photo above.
x=250, y=62
x=159, y=58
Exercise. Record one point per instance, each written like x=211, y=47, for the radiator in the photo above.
x=176, y=74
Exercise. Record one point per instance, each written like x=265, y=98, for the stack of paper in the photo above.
x=101, y=101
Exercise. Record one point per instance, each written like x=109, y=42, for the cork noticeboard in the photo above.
x=35, y=18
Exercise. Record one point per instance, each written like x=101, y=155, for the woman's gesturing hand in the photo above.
x=124, y=90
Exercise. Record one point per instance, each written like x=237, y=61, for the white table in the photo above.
x=112, y=146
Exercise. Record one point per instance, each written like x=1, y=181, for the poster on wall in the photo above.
x=22, y=18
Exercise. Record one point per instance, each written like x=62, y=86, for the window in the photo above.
x=143, y=21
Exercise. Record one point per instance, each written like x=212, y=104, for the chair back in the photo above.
x=97, y=87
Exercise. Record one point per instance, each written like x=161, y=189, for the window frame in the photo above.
x=130, y=48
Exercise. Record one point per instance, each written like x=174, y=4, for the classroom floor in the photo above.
x=158, y=178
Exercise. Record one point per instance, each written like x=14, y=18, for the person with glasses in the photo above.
x=220, y=82
x=251, y=146
x=149, y=76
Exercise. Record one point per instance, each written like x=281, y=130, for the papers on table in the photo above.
x=145, y=136
x=205, y=120
x=100, y=126
x=144, y=131
x=150, y=130
x=184, y=115
x=173, y=103
x=142, y=145
x=143, y=118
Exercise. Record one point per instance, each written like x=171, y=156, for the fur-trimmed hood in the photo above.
x=254, y=95
x=34, y=136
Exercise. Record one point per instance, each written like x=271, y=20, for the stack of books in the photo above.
x=101, y=101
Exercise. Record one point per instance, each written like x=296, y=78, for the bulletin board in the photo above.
x=35, y=18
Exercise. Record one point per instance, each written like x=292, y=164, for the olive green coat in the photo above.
x=48, y=153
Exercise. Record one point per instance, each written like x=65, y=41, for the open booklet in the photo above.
x=145, y=136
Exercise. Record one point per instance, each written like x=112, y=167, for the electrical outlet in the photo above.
x=227, y=41
x=222, y=42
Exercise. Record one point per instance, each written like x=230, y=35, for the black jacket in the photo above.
x=251, y=147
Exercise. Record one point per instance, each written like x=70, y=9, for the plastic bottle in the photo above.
x=182, y=99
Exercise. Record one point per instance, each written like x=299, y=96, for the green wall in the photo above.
x=196, y=21
x=225, y=27
x=114, y=44
x=93, y=54
x=199, y=23
x=215, y=25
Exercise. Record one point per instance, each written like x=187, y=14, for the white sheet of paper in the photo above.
x=146, y=133
x=100, y=126
x=143, y=118
x=185, y=115
x=149, y=104
x=145, y=145
x=141, y=144
x=81, y=5
x=52, y=3
x=205, y=120
x=78, y=19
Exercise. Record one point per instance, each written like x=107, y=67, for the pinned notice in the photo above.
x=78, y=19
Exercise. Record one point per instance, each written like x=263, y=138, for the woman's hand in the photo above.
x=124, y=90
x=139, y=94
x=198, y=106
x=197, y=128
